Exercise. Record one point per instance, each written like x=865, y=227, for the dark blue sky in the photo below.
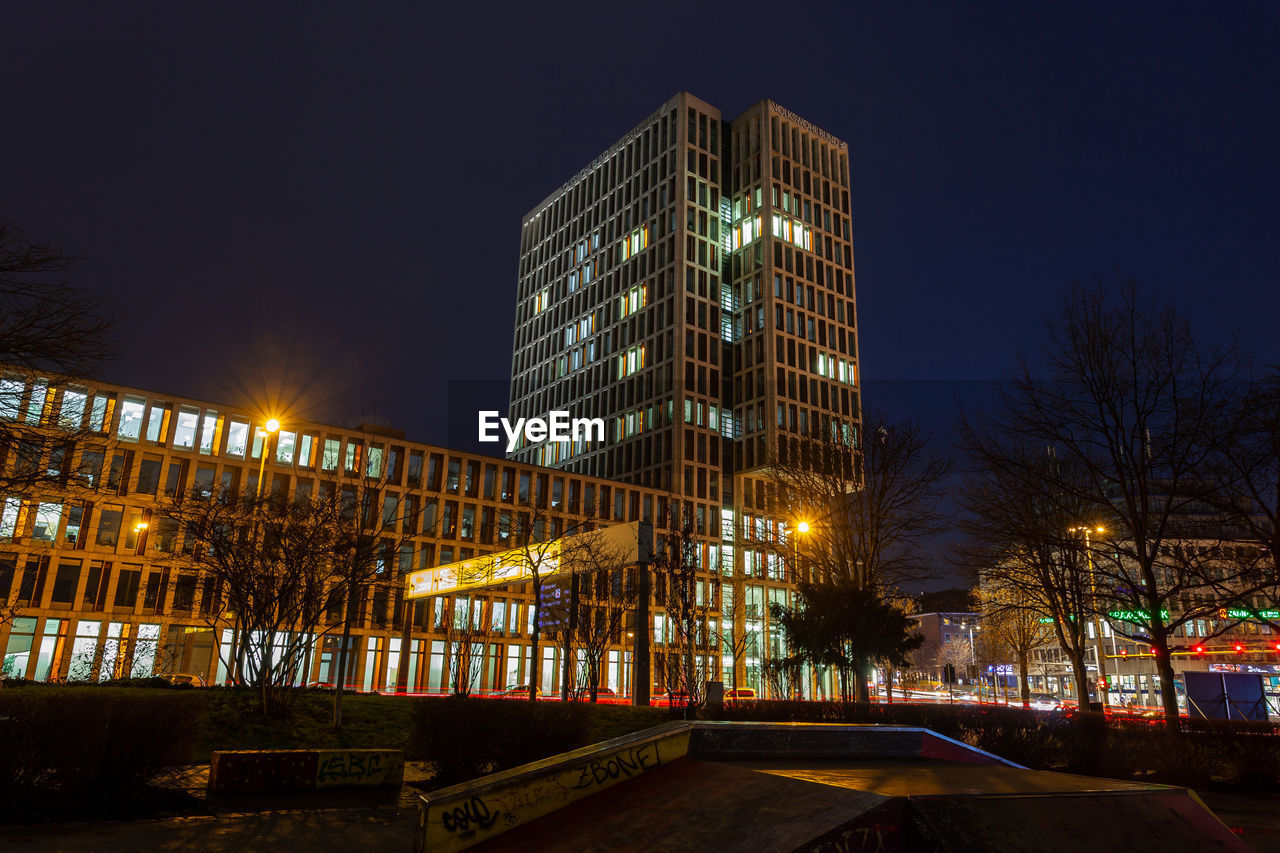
x=324, y=201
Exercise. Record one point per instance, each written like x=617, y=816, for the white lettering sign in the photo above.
x=558, y=426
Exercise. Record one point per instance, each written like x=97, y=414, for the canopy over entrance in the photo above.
x=606, y=547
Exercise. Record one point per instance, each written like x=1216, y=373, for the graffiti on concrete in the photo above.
x=358, y=767
x=623, y=765
x=466, y=818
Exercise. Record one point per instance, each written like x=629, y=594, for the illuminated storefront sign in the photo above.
x=617, y=545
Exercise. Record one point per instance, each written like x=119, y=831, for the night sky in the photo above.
x=318, y=206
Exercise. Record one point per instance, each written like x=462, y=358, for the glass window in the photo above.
x=127, y=587
x=9, y=517
x=173, y=480
x=373, y=461
x=286, y=445
x=65, y=582
x=72, y=414
x=98, y=414
x=11, y=389
x=203, y=484
x=90, y=470
x=306, y=450
x=149, y=474
x=109, y=519
x=329, y=461
x=131, y=409
x=208, y=432
x=47, y=517
x=155, y=421
x=237, y=438
x=35, y=406
x=184, y=435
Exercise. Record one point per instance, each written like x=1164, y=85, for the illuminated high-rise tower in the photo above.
x=693, y=286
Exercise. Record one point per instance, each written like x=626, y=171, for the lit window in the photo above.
x=237, y=438
x=208, y=430
x=9, y=517
x=47, y=518
x=11, y=398
x=633, y=300
x=184, y=435
x=35, y=406
x=329, y=460
x=631, y=361
x=72, y=413
x=635, y=242
x=542, y=301
x=155, y=421
x=130, y=419
x=285, y=445
x=373, y=461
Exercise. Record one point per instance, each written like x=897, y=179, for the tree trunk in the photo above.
x=535, y=664
x=862, y=694
x=888, y=683
x=340, y=685
x=1082, y=680
x=1168, y=684
x=1023, y=678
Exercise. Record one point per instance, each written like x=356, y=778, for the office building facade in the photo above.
x=96, y=582
x=693, y=286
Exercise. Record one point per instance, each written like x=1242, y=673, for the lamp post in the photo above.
x=268, y=429
x=802, y=527
x=1098, y=648
x=237, y=647
x=973, y=657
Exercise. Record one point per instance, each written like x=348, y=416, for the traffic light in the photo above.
x=1199, y=650
x=1239, y=648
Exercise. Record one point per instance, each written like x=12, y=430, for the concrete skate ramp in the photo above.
x=764, y=786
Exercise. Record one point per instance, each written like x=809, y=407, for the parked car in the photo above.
x=185, y=679
x=1045, y=702
x=518, y=692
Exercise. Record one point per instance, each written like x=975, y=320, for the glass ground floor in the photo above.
x=52, y=648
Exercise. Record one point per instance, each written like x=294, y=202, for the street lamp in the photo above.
x=1099, y=651
x=973, y=657
x=802, y=527
x=271, y=426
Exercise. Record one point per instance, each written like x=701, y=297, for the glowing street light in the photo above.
x=271, y=426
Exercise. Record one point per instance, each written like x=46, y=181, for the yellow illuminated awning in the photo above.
x=619, y=544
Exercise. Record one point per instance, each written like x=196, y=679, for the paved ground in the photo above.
x=345, y=821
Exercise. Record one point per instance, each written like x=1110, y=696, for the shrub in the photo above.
x=466, y=737
x=84, y=751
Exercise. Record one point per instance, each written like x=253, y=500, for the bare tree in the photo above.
x=465, y=623
x=1247, y=467
x=52, y=337
x=603, y=590
x=274, y=566
x=1011, y=619
x=1022, y=506
x=1132, y=407
x=868, y=504
x=683, y=663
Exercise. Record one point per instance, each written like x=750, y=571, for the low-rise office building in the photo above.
x=100, y=584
